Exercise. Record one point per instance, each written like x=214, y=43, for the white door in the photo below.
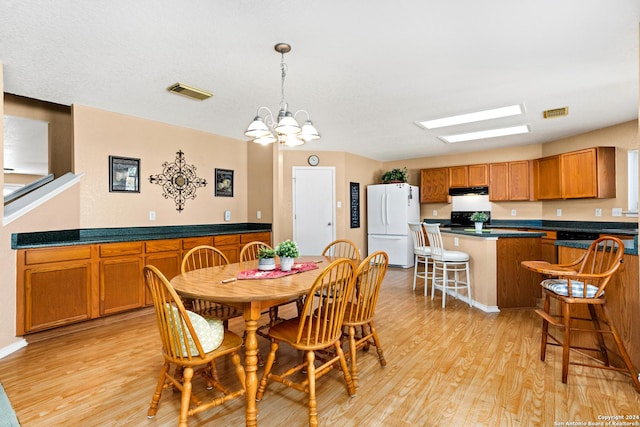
x=313, y=208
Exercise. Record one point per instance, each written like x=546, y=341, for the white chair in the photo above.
x=421, y=254
x=445, y=262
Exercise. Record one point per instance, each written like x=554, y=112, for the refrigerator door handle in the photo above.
x=386, y=209
x=386, y=237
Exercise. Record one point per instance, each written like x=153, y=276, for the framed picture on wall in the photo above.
x=124, y=174
x=224, y=183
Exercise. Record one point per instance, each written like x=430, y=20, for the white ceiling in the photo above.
x=365, y=70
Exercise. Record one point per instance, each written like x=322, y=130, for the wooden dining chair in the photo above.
x=342, y=248
x=191, y=343
x=361, y=308
x=201, y=257
x=318, y=327
x=584, y=287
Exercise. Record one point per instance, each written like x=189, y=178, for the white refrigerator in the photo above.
x=390, y=209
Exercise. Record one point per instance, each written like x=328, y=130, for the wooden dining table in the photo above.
x=221, y=284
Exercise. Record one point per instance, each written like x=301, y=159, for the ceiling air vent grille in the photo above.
x=189, y=91
x=556, y=112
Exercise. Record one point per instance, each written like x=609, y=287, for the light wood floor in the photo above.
x=451, y=367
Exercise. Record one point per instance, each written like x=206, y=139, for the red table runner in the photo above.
x=274, y=274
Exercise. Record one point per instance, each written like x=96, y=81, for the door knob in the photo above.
x=329, y=224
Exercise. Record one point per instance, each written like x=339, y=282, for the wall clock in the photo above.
x=313, y=160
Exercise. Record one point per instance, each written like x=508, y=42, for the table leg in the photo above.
x=251, y=315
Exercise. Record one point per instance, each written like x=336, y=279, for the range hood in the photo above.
x=468, y=191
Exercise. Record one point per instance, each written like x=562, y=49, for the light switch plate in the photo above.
x=598, y=212
x=558, y=212
x=616, y=211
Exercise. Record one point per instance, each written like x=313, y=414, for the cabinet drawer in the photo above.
x=63, y=253
x=192, y=242
x=162, y=245
x=119, y=249
x=256, y=237
x=551, y=235
x=225, y=240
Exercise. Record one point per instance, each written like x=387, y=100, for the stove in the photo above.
x=463, y=218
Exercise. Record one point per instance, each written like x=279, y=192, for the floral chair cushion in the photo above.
x=560, y=287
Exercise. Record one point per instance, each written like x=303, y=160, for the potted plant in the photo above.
x=395, y=175
x=479, y=218
x=287, y=251
x=266, y=259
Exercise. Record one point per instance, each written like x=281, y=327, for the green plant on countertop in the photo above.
x=265, y=252
x=287, y=248
x=479, y=217
x=395, y=175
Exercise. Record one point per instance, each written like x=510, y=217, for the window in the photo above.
x=632, y=209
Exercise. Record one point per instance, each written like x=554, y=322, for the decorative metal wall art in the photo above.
x=178, y=181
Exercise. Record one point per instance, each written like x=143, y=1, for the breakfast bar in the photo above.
x=497, y=279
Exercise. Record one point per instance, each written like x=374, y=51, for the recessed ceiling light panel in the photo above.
x=491, y=133
x=189, y=91
x=512, y=110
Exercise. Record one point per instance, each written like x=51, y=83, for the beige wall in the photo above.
x=348, y=168
x=99, y=134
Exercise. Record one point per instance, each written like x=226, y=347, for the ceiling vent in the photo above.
x=556, y=112
x=189, y=91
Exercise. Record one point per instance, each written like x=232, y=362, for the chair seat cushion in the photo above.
x=422, y=250
x=452, y=256
x=561, y=287
x=209, y=331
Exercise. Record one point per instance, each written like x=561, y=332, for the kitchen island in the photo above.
x=497, y=279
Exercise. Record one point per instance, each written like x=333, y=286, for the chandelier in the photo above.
x=265, y=129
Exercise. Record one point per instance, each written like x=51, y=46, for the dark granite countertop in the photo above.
x=128, y=234
x=491, y=233
x=617, y=228
x=630, y=245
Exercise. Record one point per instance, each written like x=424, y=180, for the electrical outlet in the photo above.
x=152, y=215
x=227, y=215
x=558, y=212
x=259, y=214
x=339, y=204
x=435, y=212
x=456, y=242
x=598, y=212
x=616, y=212
x=513, y=212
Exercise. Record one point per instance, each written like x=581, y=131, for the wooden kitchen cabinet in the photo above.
x=546, y=175
x=434, y=185
x=510, y=181
x=53, y=287
x=166, y=255
x=121, y=284
x=589, y=173
x=469, y=176
x=57, y=286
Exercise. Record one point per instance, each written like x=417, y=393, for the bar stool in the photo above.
x=421, y=254
x=446, y=262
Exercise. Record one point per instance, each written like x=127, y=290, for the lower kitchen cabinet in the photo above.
x=61, y=285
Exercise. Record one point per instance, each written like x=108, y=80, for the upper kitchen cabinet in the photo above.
x=434, y=185
x=469, y=176
x=546, y=175
x=588, y=173
x=510, y=181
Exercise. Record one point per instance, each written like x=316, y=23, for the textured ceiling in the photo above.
x=366, y=71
